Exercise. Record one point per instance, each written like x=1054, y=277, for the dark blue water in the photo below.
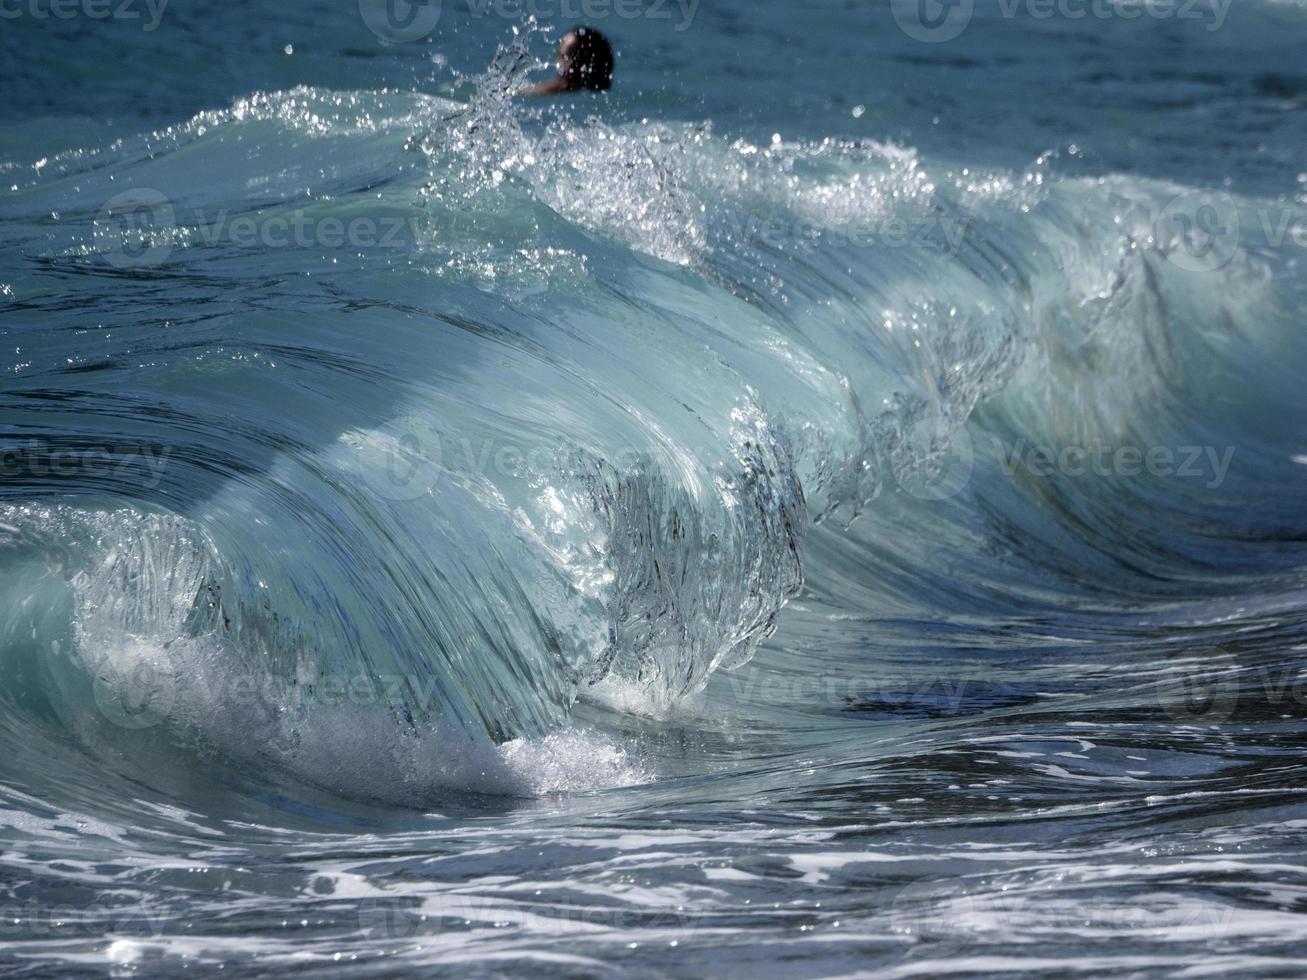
x=833, y=504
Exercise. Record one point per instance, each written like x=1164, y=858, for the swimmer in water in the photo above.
x=585, y=61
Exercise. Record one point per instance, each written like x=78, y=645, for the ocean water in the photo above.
x=835, y=504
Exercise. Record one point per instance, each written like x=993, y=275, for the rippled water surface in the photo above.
x=832, y=505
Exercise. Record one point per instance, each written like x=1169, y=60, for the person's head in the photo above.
x=585, y=60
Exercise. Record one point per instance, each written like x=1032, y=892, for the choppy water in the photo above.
x=834, y=504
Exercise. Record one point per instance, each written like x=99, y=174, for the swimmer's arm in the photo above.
x=553, y=86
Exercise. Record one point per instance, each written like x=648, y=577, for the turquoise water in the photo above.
x=833, y=504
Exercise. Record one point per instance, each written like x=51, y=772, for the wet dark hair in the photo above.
x=590, y=63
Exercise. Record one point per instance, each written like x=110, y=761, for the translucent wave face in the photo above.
x=139, y=659
x=571, y=435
